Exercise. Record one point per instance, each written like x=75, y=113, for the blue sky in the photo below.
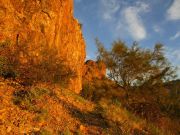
x=146, y=21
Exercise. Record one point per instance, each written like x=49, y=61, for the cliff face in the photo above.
x=38, y=23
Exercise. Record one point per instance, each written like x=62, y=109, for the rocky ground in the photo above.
x=60, y=111
x=47, y=109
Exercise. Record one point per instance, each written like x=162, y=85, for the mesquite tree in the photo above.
x=134, y=66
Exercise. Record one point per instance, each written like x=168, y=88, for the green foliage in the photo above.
x=53, y=68
x=170, y=103
x=2, y=65
x=43, y=65
x=87, y=91
x=155, y=130
x=134, y=66
x=41, y=116
x=41, y=132
x=79, y=132
x=6, y=66
x=6, y=69
x=99, y=89
x=116, y=102
x=4, y=44
x=66, y=132
x=94, y=91
x=26, y=99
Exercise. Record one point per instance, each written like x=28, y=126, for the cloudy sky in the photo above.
x=146, y=21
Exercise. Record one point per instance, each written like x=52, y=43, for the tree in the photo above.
x=134, y=66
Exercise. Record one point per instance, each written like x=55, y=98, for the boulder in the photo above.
x=94, y=70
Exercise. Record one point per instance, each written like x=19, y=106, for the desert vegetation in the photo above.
x=139, y=95
x=139, y=81
x=47, y=87
x=17, y=63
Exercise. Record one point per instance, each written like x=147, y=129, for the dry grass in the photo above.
x=64, y=112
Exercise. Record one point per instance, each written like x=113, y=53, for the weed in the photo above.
x=87, y=91
x=41, y=116
x=116, y=102
x=26, y=99
x=66, y=132
x=154, y=130
x=79, y=132
x=41, y=132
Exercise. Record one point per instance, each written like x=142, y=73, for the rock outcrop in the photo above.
x=38, y=23
x=94, y=70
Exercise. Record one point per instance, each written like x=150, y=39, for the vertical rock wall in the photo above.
x=38, y=23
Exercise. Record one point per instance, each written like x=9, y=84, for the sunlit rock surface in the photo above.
x=94, y=70
x=38, y=23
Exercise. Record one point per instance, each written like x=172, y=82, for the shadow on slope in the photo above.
x=88, y=118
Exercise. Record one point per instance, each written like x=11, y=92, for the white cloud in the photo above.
x=132, y=18
x=173, y=54
x=125, y=19
x=176, y=54
x=177, y=35
x=157, y=29
x=109, y=8
x=142, y=7
x=88, y=57
x=173, y=12
x=178, y=71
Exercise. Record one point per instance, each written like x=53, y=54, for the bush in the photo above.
x=44, y=65
x=7, y=61
x=26, y=99
x=87, y=91
x=2, y=63
x=6, y=69
x=66, y=132
x=171, y=106
x=93, y=91
x=42, y=116
x=41, y=132
x=98, y=89
x=149, y=111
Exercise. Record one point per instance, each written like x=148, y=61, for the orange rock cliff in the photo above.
x=94, y=70
x=38, y=23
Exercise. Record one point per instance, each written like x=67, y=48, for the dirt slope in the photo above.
x=47, y=109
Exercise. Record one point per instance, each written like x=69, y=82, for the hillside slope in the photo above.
x=50, y=110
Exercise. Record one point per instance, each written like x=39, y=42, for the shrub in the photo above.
x=155, y=130
x=66, y=132
x=149, y=111
x=171, y=105
x=6, y=69
x=44, y=65
x=98, y=89
x=2, y=63
x=26, y=99
x=42, y=116
x=7, y=60
x=87, y=91
x=41, y=132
